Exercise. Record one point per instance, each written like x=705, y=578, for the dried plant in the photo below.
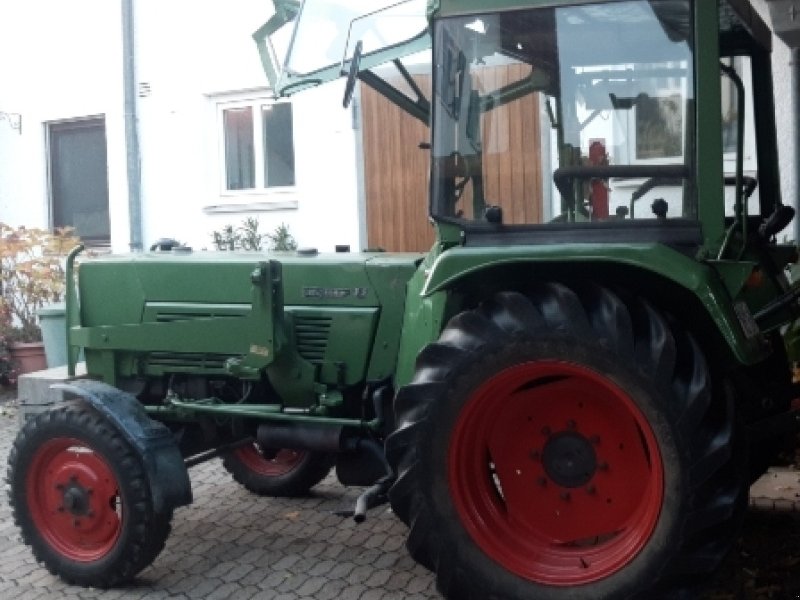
x=247, y=237
x=31, y=277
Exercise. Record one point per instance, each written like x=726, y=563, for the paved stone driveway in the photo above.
x=232, y=544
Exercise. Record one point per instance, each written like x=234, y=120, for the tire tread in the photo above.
x=626, y=325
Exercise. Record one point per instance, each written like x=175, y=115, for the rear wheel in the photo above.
x=81, y=498
x=277, y=472
x=564, y=446
x=570, y=456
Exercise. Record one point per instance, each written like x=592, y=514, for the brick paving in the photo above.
x=233, y=544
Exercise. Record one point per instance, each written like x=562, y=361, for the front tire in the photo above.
x=564, y=446
x=81, y=498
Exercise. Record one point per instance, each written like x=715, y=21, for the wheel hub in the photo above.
x=569, y=459
x=76, y=500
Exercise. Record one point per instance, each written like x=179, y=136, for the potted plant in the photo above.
x=31, y=277
x=247, y=237
x=8, y=368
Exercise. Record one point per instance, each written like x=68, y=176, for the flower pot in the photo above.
x=53, y=323
x=28, y=357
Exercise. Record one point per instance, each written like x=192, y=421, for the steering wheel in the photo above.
x=564, y=177
x=352, y=75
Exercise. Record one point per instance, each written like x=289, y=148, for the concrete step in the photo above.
x=34, y=393
x=777, y=490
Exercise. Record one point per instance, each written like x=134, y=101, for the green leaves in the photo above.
x=247, y=237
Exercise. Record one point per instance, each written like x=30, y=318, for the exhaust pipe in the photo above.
x=302, y=436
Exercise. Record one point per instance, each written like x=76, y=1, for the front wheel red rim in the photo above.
x=556, y=473
x=272, y=464
x=74, y=500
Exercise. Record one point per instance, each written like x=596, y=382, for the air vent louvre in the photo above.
x=311, y=334
x=179, y=360
x=172, y=317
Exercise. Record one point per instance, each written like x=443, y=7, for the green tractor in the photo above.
x=566, y=397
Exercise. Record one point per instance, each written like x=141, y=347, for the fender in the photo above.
x=166, y=472
x=698, y=278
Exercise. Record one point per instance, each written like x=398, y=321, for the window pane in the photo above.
x=278, y=145
x=659, y=126
x=239, y=157
x=731, y=112
x=730, y=109
x=530, y=118
x=79, y=178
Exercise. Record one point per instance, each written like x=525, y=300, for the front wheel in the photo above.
x=81, y=498
x=562, y=446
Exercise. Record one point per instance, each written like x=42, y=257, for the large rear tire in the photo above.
x=81, y=498
x=276, y=473
x=560, y=446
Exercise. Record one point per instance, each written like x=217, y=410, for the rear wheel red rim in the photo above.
x=272, y=464
x=556, y=473
x=74, y=500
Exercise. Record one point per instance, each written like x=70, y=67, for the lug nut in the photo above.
x=534, y=454
x=542, y=481
x=76, y=523
x=603, y=466
x=595, y=439
x=546, y=431
x=571, y=424
x=565, y=496
x=591, y=489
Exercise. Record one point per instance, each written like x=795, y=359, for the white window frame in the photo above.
x=260, y=197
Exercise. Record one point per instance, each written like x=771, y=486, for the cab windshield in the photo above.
x=578, y=114
x=307, y=44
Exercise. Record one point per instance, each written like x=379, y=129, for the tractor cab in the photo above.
x=625, y=121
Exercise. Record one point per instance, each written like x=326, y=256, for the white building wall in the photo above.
x=61, y=60
x=189, y=53
x=193, y=55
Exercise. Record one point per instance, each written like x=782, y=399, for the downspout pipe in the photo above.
x=131, y=126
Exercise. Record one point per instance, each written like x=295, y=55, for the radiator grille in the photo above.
x=311, y=334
